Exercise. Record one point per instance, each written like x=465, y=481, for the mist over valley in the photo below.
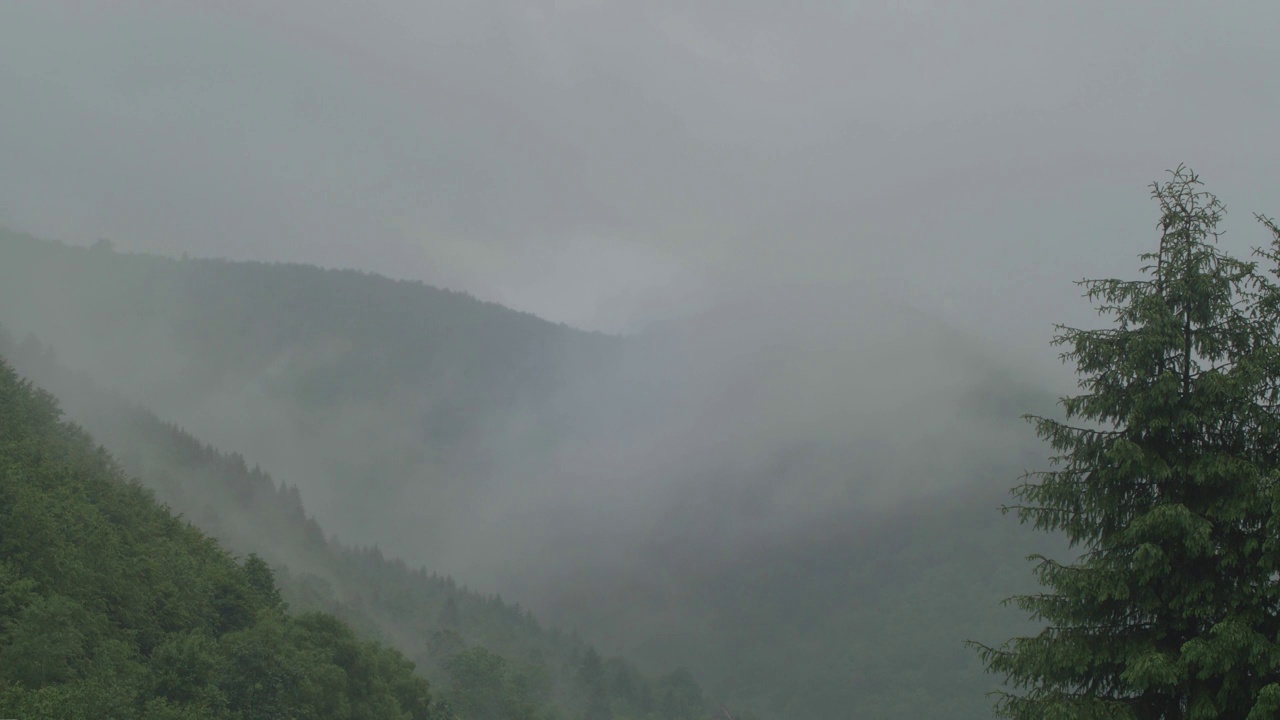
x=631, y=361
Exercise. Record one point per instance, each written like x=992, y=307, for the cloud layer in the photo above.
x=609, y=163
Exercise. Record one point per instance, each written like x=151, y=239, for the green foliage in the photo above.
x=1165, y=477
x=484, y=687
x=112, y=607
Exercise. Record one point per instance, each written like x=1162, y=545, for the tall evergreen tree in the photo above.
x=1166, y=477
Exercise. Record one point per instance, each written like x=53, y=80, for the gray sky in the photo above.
x=609, y=163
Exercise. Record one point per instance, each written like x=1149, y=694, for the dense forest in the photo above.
x=110, y=606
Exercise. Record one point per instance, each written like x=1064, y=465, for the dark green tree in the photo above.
x=1166, y=477
x=485, y=687
x=262, y=581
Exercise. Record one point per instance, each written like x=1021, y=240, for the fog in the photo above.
x=606, y=164
x=820, y=246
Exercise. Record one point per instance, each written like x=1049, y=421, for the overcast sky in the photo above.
x=604, y=164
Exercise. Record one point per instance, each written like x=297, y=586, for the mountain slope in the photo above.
x=112, y=607
x=490, y=659
x=294, y=366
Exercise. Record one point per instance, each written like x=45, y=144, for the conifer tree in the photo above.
x=1165, y=478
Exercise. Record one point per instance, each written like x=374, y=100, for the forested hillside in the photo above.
x=296, y=366
x=488, y=659
x=605, y=360
x=110, y=606
x=868, y=618
x=743, y=495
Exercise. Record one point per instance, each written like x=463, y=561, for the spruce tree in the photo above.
x=1165, y=478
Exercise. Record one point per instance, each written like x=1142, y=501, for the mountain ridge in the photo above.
x=618, y=485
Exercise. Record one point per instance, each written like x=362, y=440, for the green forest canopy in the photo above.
x=112, y=607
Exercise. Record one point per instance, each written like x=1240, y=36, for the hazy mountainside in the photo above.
x=112, y=607
x=853, y=604
x=742, y=491
x=807, y=515
x=489, y=659
x=297, y=367
x=866, y=619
